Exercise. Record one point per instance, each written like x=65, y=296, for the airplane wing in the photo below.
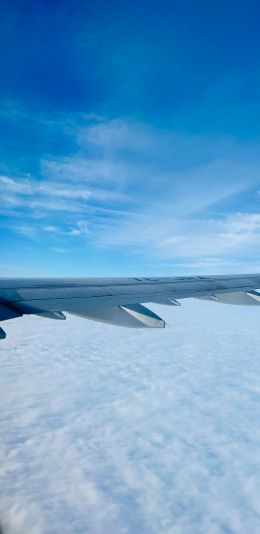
x=119, y=300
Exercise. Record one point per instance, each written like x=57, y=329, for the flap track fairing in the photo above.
x=130, y=315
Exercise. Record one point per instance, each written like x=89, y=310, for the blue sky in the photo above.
x=130, y=138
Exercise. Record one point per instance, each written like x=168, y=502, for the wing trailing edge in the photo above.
x=245, y=298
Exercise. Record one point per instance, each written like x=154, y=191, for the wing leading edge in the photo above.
x=119, y=300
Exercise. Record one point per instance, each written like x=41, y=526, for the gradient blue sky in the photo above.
x=129, y=137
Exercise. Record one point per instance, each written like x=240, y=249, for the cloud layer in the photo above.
x=108, y=429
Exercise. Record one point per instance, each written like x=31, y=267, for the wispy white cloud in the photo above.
x=27, y=230
x=29, y=192
x=168, y=237
x=82, y=228
x=131, y=186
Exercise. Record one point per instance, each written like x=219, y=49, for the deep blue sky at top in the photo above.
x=191, y=64
x=189, y=68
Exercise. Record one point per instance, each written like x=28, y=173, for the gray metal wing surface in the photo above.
x=119, y=300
